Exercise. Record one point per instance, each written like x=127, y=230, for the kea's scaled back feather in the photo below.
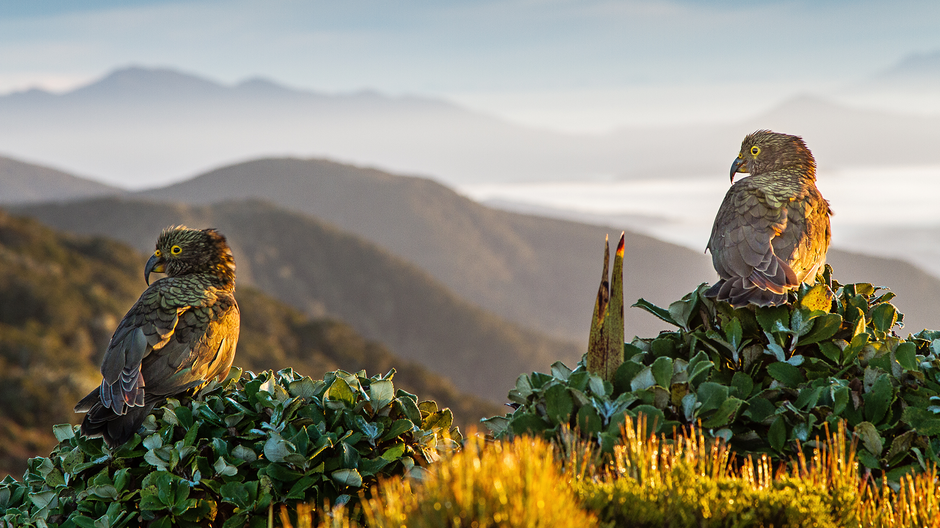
x=772, y=230
x=180, y=334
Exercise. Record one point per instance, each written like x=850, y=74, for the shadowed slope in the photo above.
x=22, y=182
x=532, y=270
x=327, y=272
x=62, y=295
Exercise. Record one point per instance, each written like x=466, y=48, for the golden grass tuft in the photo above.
x=501, y=484
x=695, y=482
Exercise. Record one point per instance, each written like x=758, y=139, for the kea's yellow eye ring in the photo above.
x=755, y=151
x=176, y=250
x=157, y=253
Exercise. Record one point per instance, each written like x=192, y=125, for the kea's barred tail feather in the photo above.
x=116, y=429
x=741, y=292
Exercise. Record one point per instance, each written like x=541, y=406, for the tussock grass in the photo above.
x=504, y=484
x=651, y=481
x=692, y=482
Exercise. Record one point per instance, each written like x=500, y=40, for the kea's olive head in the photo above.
x=766, y=151
x=182, y=251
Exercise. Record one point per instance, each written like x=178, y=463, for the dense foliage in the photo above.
x=649, y=481
x=61, y=296
x=227, y=456
x=767, y=380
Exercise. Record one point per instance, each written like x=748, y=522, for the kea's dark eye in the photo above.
x=176, y=250
x=755, y=151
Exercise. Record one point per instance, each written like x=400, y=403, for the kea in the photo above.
x=772, y=230
x=180, y=334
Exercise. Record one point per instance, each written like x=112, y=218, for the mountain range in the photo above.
x=26, y=182
x=140, y=128
x=533, y=271
x=444, y=346
x=326, y=272
x=538, y=273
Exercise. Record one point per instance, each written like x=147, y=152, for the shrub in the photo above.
x=228, y=455
x=766, y=380
x=651, y=481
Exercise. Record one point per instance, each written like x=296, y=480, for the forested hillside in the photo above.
x=325, y=271
x=61, y=297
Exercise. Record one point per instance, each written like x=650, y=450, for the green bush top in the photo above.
x=760, y=378
x=236, y=449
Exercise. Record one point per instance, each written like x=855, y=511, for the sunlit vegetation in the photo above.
x=234, y=452
x=61, y=296
x=685, y=480
x=816, y=413
x=768, y=381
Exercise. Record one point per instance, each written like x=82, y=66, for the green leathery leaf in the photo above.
x=723, y=415
x=681, y=312
x=394, y=452
x=643, y=380
x=855, y=346
x=579, y=380
x=922, y=420
x=884, y=316
x=832, y=352
x=438, y=421
x=63, y=432
x=711, y=395
x=381, y=393
x=840, y=398
x=879, y=399
x=661, y=370
x=397, y=428
x=340, y=391
x=824, y=327
x=858, y=316
x=589, y=421
x=302, y=388
x=643, y=304
x=785, y=373
x=773, y=319
x=742, y=385
x=905, y=354
x=559, y=404
x=625, y=374
x=759, y=408
x=409, y=408
x=527, y=423
x=733, y=333
x=777, y=434
x=698, y=367
x=560, y=371
x=808, y=398
x=870, y=438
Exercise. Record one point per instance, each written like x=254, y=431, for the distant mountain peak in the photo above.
x=917, y=66
x=265, y=86
x=136, y=81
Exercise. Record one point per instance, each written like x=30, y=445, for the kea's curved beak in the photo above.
x=154, y=264
x=738, y=166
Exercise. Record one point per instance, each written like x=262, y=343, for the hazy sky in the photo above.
x=569, y=64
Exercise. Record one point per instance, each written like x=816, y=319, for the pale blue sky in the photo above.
x=546, y=61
